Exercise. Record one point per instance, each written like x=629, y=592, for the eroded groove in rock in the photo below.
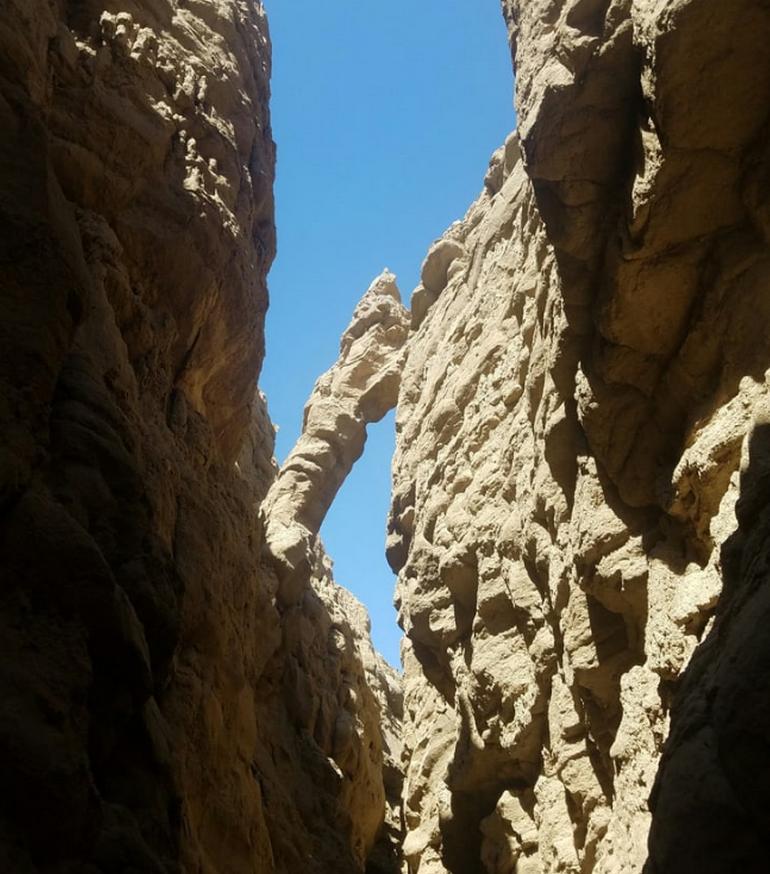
x=589, y=348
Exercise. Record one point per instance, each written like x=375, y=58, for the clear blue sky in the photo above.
x=385, y=115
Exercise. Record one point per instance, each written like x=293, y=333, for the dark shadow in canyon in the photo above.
x=711, y=799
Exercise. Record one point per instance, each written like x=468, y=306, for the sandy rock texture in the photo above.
x=328, y=756
x=365, y=726
x=586, y=370
x=159, y=711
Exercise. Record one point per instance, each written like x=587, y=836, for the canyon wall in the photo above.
x=161, y=709
x=580, y=506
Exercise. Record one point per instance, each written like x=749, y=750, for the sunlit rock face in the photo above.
x=359, y=389
x=347, y=699
x=160, y=711
x=586, y=372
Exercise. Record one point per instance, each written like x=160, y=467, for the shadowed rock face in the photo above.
x=589, y=348
x=711, y=804
x=137, y=230
x=158, y=711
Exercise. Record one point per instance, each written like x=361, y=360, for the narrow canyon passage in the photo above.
x=380, y=176
x=580, y=505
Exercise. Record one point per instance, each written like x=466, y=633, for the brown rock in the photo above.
x=360, y=388
x=580, y=508
x=157, y=712
x=571, y=419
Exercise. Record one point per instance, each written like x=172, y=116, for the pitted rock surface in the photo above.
x=588, y=354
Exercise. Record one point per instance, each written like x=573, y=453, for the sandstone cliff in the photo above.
x=584, y=375
x=580, y=510
x=159, y=710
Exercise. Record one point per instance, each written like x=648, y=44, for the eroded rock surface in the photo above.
x=159, y=712
x=360, y=730
x=367, y=731
x=359, y=389
x=580, y=510
x=329, y=723
x=588, y=355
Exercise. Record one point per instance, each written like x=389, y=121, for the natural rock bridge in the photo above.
x=579, y=517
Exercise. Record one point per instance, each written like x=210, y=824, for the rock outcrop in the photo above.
x=359, y=389
x=343, y=694
x=364, y=736
x=159, y=711
x=581, y=504
x=588, y=355
x=328, y=737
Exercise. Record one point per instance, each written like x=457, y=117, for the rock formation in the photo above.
x=581, y=497
x=346, y=698
x=588, y=356
x=159, y=711
x=360, y=388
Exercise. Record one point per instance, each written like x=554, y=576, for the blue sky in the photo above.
x=385, y=115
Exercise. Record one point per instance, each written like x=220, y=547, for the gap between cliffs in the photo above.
x=581, y=484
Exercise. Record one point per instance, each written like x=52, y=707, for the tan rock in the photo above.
x=580, y=507
x=360, y=388
x=574, y=407
x=158, y=712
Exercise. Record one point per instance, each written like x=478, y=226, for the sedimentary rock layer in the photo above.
x=585, y=372
x=159, y=711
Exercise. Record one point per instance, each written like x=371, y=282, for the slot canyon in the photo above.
x=580, y=513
